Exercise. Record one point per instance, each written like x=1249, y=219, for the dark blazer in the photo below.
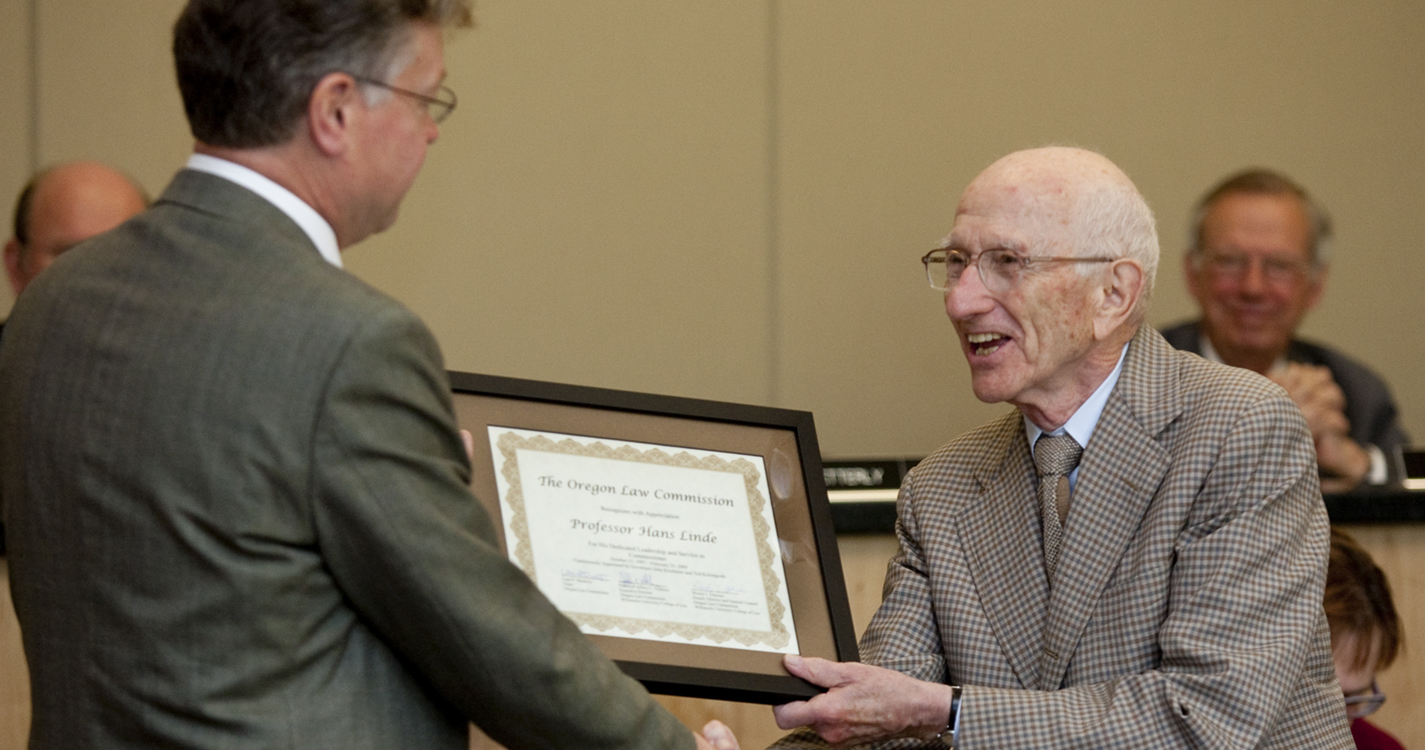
x=1186, y=605
x=238, y=511
x=1369, y=406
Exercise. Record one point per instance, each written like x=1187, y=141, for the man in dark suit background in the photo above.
x=1257, y=264
x=236, y=493
x=1134, y=556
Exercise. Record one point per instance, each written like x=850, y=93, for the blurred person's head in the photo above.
x=1365, y=630
x=61, y=207
x=1257, y=264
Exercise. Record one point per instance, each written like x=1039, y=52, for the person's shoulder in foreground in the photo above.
x=1257, y=262
x=1369, y=405
x=1176, y=602
x=237, y=493
x=58, y=208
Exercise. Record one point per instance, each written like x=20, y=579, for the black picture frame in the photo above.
x=816, y=587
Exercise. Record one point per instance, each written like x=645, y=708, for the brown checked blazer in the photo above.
x=1186, y=610
x=239, y=515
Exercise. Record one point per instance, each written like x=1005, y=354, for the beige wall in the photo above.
x=727, y=200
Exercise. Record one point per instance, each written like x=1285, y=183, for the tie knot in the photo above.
x=1056, y=456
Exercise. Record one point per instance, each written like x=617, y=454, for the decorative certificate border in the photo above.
x=778, y=637
x=791, y=485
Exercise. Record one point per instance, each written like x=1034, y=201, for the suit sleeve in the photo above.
x=415, y=554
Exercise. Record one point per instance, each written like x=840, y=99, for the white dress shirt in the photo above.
x=1081, y=425
x=285, y=200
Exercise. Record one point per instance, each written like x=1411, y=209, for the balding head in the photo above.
x=1039, y=328
x=1080, y=203
x=63, y=206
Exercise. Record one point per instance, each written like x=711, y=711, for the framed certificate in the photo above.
x=690, y=540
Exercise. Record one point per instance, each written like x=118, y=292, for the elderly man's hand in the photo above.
x=1343, y=462
x=864, y=703
x=716, y=736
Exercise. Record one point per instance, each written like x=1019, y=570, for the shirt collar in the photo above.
x=1209, y=353
x=1081, y=425
x=285, y=200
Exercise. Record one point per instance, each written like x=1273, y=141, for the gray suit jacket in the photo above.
x=1186, y=608
x=238, y=511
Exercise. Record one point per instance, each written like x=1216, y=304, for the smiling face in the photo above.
x=1250, y=315
x=1034, y=345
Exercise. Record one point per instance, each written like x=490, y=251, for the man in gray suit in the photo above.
x=1133, y=557
x=236, y=492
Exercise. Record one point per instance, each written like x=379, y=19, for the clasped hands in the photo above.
x=1343, y=462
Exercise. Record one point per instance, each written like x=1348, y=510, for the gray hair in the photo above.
x=1115, y=220
x=246, y=68
x=1259, y=181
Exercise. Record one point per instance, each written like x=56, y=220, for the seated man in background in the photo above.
x=59, y=208
x=1365, y=635
x=1257, y=264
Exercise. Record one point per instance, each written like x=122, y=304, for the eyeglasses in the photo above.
x=1358, y=705
x=1233, y=266
x=999, y=269
x=437, y=108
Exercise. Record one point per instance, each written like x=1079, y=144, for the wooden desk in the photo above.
x=1383, y=505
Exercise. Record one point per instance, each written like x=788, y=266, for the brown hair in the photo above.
x=246, y=68
x=1358, y=601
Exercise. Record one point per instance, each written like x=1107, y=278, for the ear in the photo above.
x=12, y=265
x=1119, y=290
x=331, y=111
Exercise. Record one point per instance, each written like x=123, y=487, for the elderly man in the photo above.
x=1256, y=266
x=1134, y=557
x=236, y=493
x=59, y=208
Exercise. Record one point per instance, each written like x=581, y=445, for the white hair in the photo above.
x=1115, y=221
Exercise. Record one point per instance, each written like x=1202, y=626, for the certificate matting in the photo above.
x=646, y=541
x=784, y=440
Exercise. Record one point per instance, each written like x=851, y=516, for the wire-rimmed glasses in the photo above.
x=1233, y=265
x=438, y=108
x=999, y=269
x=1364, y=704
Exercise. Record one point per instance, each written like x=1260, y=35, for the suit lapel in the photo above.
x=1118, y=478
x=1000, y=531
